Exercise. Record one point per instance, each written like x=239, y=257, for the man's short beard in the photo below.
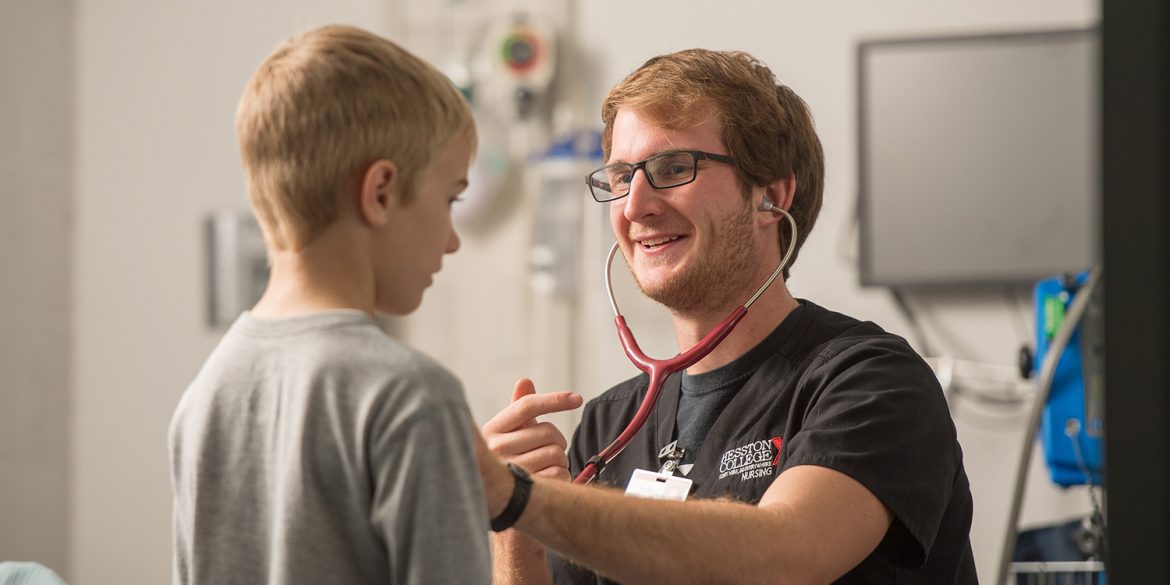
x=719, y=274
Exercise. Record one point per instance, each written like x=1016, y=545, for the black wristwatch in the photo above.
x=515, y=507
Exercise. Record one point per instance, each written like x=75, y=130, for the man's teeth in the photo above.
x=658, y=241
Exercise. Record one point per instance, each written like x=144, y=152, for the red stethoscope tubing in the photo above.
x=659, y=370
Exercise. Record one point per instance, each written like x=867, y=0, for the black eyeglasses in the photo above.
x=665, y=170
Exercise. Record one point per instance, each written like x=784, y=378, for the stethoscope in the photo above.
x=660, y=370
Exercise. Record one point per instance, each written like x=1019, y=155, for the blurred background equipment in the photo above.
x=555, y=180
x=556, y=231
x=978, y=158
x=1072, y=428
x=237, y=265
x=514, y=68
x=979, y=175
x=1068, y=412
x=505, y=63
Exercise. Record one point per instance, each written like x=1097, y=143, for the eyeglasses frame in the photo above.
x=696, y=155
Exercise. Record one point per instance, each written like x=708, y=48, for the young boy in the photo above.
x=311, y=447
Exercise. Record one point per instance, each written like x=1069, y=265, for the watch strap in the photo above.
x=519, y=500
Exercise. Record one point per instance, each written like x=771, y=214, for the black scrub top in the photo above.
x=837, y=393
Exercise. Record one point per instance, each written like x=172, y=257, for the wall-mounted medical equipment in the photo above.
x=978, y=158
x=237, y=265
x=1072, y=429
x=515, y=65
x=507, y=75
x=554, y=255
x=1066, y=326
x=487, y=181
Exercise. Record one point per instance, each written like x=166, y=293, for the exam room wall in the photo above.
x=36, y=172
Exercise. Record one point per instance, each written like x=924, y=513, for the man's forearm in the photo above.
x=518, y=559
x=635, y=540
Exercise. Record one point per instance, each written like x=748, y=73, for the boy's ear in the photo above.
x=380, y=192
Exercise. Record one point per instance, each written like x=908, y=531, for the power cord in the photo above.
x=1093, y=541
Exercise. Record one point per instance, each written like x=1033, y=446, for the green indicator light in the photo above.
x=1053, y=315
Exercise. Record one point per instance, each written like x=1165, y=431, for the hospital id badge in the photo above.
x=658, y=486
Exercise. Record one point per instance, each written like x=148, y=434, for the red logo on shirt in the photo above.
x=778, y=442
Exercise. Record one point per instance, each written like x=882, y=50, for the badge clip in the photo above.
x=671, y=456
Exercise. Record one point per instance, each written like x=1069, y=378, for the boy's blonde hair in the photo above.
x=324, y=106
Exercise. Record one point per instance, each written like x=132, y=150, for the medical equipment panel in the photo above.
x=1073, y=424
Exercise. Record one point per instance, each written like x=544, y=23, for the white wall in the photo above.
x=157, y=84
x=36, y=175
